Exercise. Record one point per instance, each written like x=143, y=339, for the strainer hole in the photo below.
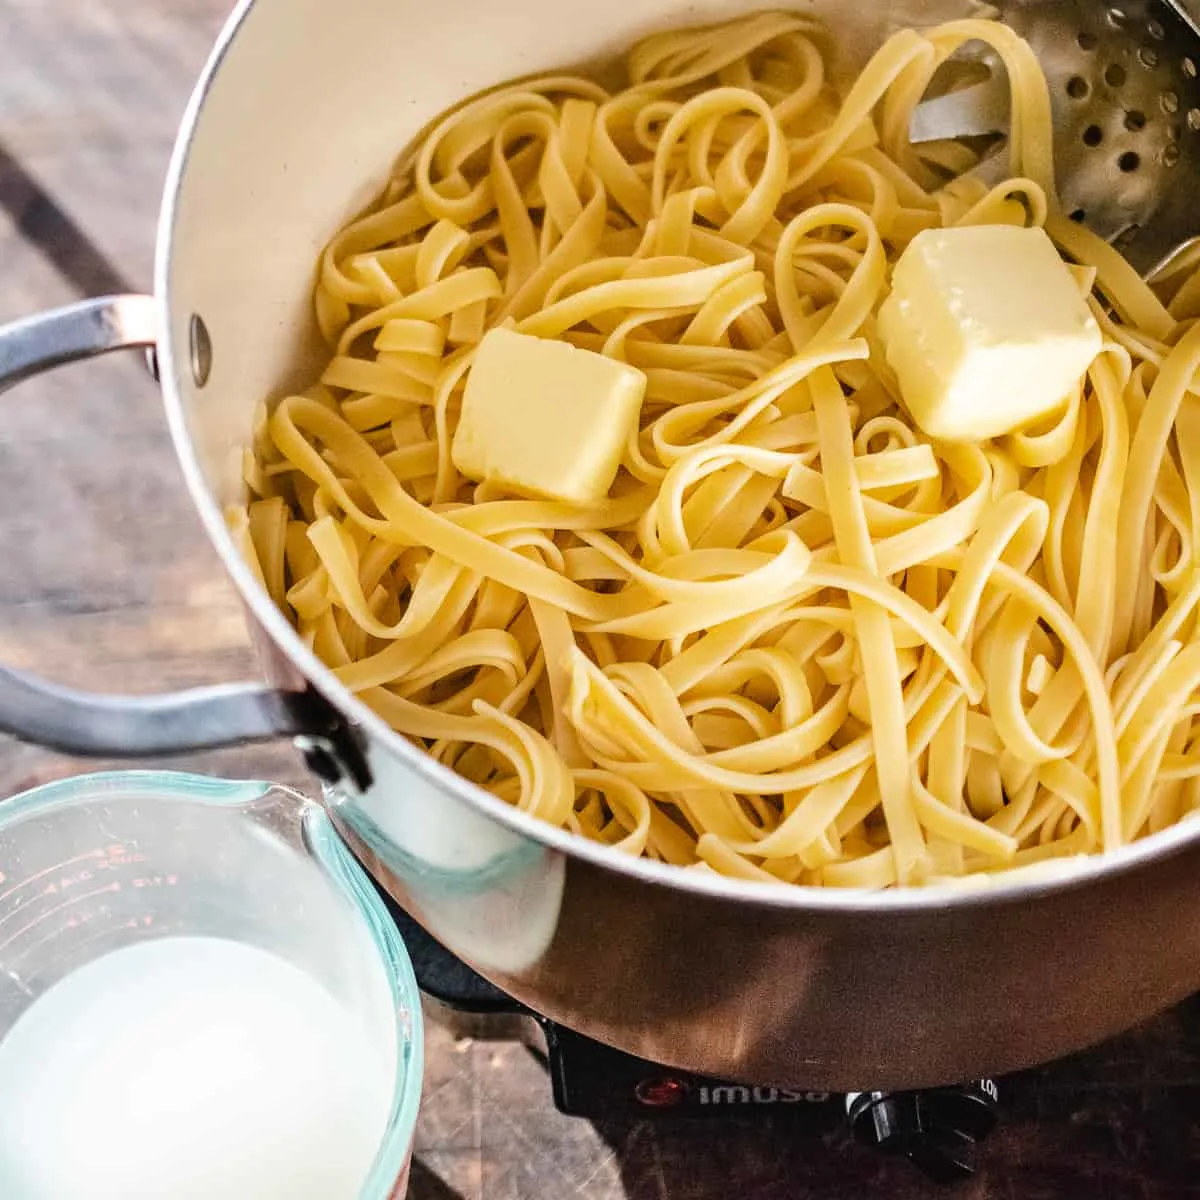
x=1078, y=216
x=1077, y=87
x=1148, y=56
x=1086, y=40
x=200, y=348
x=1169, y=102
x=1189, y=67
x=1114, y=75
x=1117, y=18
x=1129, y=161
x=1093, y=135
x=1193, y=119
x=1135, y=120
x=1155, y=30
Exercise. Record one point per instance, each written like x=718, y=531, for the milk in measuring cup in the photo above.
x=190, y=1067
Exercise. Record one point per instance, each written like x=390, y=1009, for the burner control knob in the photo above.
x=937, y=1129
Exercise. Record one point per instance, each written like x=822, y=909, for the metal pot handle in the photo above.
x=142, y=726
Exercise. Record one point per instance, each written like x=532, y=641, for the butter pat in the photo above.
x=545, y=418
x=986, y=330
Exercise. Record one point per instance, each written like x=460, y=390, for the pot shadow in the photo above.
x=426, y=1184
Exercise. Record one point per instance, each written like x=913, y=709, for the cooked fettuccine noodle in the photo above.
x=798, y=641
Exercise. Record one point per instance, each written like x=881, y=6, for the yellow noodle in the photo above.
x=798, y=641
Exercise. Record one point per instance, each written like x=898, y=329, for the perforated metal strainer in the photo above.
x=1125, y=87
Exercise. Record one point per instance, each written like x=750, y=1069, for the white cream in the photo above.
x=191, y=1068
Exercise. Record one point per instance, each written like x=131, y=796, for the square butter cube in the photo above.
x=545, y=418
x=986, y=330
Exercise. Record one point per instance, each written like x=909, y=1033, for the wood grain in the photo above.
x=108, y=582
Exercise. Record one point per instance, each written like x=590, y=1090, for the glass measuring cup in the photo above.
x=102, y=862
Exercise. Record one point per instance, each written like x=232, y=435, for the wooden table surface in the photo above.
x=108, y=582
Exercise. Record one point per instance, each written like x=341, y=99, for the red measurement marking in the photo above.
x=16, y=887
x=70, y=947
x=68, y=881
x=125, y=860
x=117, y=856
x=115, y=886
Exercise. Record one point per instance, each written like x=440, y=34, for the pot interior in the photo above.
x=301, y=112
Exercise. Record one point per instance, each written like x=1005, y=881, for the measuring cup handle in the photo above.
x=142, y=726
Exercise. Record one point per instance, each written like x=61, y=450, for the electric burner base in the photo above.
x=939, y=1129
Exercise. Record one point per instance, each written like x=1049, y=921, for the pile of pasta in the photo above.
x=798, y=641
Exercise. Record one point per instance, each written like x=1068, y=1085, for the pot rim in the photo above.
x=1020, y=885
